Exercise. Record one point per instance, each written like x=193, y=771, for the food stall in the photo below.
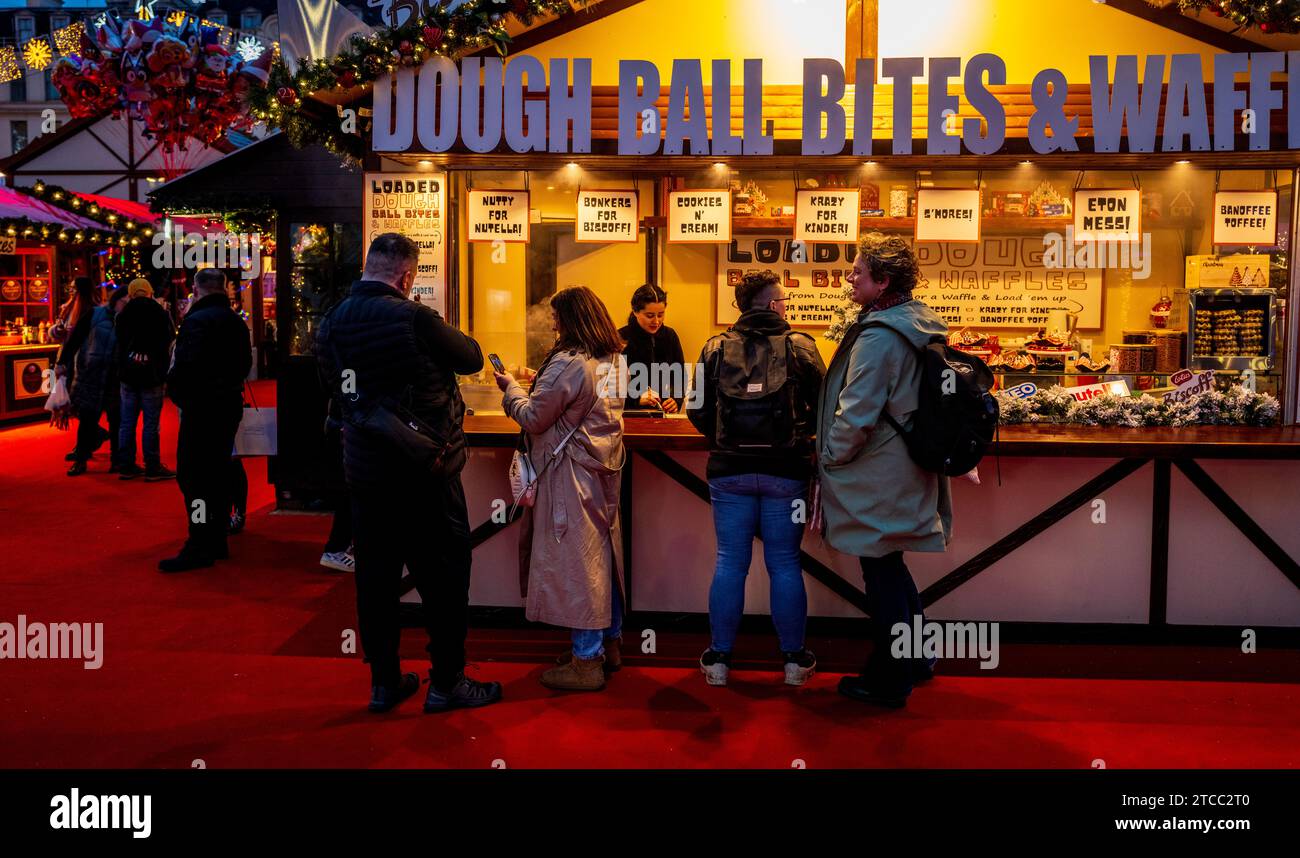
x=1127, y=281
x=43, y=247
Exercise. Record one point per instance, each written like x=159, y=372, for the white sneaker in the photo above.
x=339, y=561
x=715, y=670
x=797, y=673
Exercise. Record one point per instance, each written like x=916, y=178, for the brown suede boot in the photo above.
x=577, y=674
x=613, y=656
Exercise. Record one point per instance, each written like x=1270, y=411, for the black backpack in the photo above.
x=756, y=407
x=957, y=417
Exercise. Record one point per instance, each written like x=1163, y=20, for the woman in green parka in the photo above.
x=877, y=502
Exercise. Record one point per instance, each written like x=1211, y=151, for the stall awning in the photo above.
x=14, y=204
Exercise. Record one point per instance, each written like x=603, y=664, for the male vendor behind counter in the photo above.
x=655, y=348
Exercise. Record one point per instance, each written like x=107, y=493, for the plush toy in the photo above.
x=248, y=75
x=166, y=62
x=210, y=76
x=135, y=79
x=191, y=37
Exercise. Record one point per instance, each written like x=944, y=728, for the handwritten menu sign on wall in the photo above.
x=497, y=215
x=1245, y=217
x=700, y=217
x=947, y=214
x=1107, y=214
x=826, y=215
x=1000, y=282
x=606, y=216
x=414, y=205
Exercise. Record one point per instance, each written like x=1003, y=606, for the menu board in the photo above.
x=497, y=215
x=826, y=215
x=1107, y=214
x=606, y=216
x=947, y=214
x=1245, y=218
x=699, y=217
x=413, y=204
x=998, y=282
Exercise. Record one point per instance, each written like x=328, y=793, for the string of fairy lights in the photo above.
x=39, y=52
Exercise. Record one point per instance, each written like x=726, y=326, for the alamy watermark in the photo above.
x=1064, y=251
x=73, y=641
x=927, y=639
x=194, y=250
x=133, y=813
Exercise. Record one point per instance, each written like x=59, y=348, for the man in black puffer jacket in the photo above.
x=377, y=346
x=206, y=381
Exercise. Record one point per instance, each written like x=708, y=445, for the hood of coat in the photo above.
x=763, y=321
x=913, y=319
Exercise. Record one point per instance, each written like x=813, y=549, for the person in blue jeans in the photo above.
x=761, y=382
x=144, y=339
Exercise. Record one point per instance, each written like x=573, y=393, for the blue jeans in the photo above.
x=589, y=643
x=134, y=401
x=744, y=506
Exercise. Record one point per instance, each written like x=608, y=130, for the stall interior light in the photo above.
x=719, y=165
x=1118, y=388
x=1026, y=163
x=1182, y=162
x=869, y=164
x=572, y=165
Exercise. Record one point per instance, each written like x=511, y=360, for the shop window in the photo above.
x=506, y=307
x=324, y=261
x=17, y=134
x=24, y=29
x=18, y=90
x=250, y=19
x=217, y=16
x=51, y=91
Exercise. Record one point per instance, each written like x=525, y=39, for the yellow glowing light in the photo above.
x=9, y=69
x=67, y=40
x=37, y=54
x=176, y=18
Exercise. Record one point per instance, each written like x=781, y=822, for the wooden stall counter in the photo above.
x=1193, y=442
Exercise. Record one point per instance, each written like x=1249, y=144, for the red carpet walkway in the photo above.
x=241, y=666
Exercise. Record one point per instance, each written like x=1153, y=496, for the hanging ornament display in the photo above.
x=68, y=39
x=1268, y=16
x=38, y=54
x=9, y=68
x=170, y=72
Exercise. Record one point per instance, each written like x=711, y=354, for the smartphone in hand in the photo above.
x=496, y=363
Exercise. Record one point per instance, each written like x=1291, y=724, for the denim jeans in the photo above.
x=745, y=506
x=135, y=400
x=589, y=643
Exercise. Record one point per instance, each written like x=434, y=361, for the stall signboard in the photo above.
x=480, y=104
x=8, y=245
x=699, y=217
x=1245, y=218
x=948, y=214
x=1107, y=214
x=826, y=215
x=30, y=377
x=500, y=214
x=1000, y=282
x=606, y=216
x=1187, y=383
x=1238, y=271
x=413, y=204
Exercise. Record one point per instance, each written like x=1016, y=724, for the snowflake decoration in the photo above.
x=67, y=41
x=144, y=9
x=37, y=54
x=249, y=48
x=9, y=69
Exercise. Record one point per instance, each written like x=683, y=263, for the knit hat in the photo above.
x=139, y=286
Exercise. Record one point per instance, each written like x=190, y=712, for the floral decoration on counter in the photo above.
x=1235, y=407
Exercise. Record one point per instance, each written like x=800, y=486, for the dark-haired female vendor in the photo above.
x=654, y=356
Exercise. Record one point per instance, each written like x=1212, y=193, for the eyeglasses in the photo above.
x=778, y=300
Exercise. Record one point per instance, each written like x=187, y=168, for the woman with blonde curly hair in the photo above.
x=876, y=501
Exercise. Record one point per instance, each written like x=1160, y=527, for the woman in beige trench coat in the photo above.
x=571, y=539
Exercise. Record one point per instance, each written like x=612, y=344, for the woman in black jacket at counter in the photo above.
x=653, y=354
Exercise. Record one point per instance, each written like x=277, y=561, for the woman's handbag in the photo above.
x=524, y=477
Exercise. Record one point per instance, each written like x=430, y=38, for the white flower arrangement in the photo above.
x=1236, y=406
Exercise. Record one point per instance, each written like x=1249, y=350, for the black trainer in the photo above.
x=385, y=697
x=857, y=688
x=130, y=471
x=466, y=693
x=185, y=561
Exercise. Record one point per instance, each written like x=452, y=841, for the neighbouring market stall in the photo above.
x=1126, y=274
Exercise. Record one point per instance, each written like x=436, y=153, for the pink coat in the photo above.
x=571, y=540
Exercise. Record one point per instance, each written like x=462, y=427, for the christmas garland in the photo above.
x=475, y=24
x=1270, y=16
x=72, y=202
x=1236, y=406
